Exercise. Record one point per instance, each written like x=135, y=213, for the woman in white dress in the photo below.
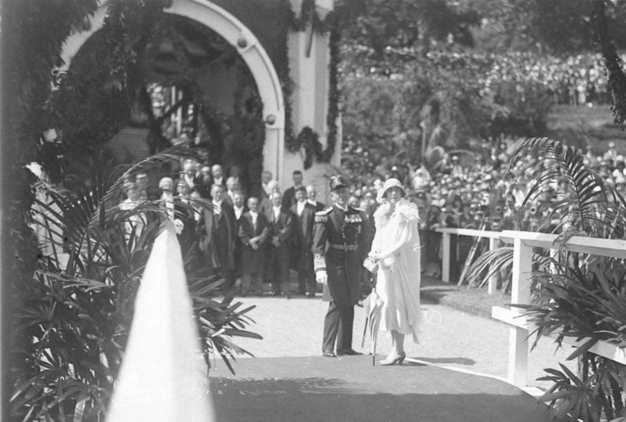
x=396, y=250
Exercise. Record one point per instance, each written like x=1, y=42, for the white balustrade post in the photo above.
x=493, y=280
x=520, y=294
x=445, y=257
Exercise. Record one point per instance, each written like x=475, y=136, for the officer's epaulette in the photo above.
x=322, y=216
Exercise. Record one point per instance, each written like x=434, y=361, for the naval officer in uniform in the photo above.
x=339, y=246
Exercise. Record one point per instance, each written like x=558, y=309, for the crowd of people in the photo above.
x=253, y=241
x=478, y=192
x=577, y=79
x=261, y=241
x=482, y=189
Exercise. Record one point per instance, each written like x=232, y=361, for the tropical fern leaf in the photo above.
x=586, y=203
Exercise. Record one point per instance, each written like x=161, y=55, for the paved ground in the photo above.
x=288, y=380
x=450, y=338
x=350, y=389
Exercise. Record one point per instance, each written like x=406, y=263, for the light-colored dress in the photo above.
x=398, y=276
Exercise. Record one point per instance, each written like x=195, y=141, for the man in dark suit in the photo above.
x=189, y=175
x=184, y=217
x=289, y=197
x=254, y=230
x=266, y=178
x=219, y=235
x=311, y=194
x=239, y=209
x=205, y=182
x=339, y=247
x=232, y=186
x=282, y=237
x=217, y=173
x=304, y=214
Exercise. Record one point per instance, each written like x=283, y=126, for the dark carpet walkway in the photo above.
x=350, y=389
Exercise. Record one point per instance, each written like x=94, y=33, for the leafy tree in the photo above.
x=560, y=27
x=379, y=24
x=547, y=26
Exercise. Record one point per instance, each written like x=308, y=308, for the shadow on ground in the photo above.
x=434, y=290
x=434, y=295
x=474, y=300
x=444, y=361
x=350, y=389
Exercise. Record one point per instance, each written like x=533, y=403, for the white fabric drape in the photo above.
x=163, y=377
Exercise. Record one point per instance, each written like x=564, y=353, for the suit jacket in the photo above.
x=265, y=207
x=238, y=220
x=238, y=246
x=289, y=197
x=194, y=183
x=228, y=199
x=282, y=228
x=204, y=189
x=319, y=206
x=218, y=241
x=253, y=259
x=303, y=257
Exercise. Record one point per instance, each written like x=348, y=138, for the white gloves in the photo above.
x=321, y=277
x=178, y=225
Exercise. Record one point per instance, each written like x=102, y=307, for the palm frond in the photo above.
x=587, y=205
x=74, y=319
x=168, y=156
x=489, y=264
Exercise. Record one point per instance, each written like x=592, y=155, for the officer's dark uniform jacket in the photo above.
x=339, y=243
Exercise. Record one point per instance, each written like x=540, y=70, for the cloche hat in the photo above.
x=390, y=183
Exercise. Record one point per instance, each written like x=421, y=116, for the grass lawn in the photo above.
x=582, y=125
x=472, y=300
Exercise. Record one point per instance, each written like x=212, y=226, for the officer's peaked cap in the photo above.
x=337, y=182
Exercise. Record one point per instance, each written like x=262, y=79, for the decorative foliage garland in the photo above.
x=308, y=138
x=286, y=85
x=308, y=15
x=333, y=94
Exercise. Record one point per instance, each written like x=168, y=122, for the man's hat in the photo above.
x=337, y=182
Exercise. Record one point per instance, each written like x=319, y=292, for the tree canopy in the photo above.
x=379, y=24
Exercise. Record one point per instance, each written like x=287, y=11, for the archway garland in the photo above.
x=307, y=138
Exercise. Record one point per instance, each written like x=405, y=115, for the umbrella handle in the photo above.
x=364, y=332
x=374, y=353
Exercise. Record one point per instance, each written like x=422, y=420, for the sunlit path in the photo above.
x=451, y=338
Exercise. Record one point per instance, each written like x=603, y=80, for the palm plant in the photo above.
x=75, y=313
x=575, y=294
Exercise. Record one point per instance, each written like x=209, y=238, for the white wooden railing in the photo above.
x=446, y=233
x=519, y=326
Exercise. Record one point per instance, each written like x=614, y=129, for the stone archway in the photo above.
x=249, y=48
